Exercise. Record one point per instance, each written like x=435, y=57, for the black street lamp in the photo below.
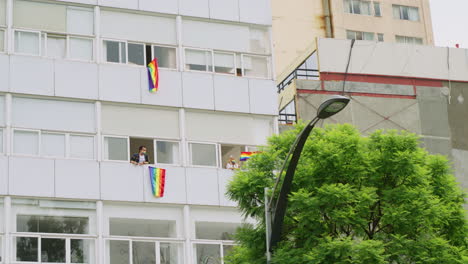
x=328, y=108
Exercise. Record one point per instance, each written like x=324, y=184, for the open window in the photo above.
x=228, y=151
x=136, y=143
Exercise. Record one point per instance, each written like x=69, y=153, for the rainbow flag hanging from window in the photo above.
x=158, y=180
x=153, y=75
x=247, y=155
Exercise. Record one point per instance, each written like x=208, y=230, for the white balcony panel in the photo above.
x=161, y=6
x=139, y=121
x=205, y=214
x=87, y=2
x=121, y=182
x=138, y=27
x=31, y=75
x=77, y=179
x=76, y=79
x=198, y=90
x=4, y=73
x=169, y=92
x=174, y=190
x=263, y=97
x=225, y=176
x=199, y=8
x=231, y=94
x=256, y=12
x=31, y=177
x=3, y=175
x=119, y=83
x=129, y=4
x=227, y=128
x=224, y=9
x=202, y=186
x=53, y=115
x=228, y=36
x=2, y=114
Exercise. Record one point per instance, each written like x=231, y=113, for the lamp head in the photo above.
x=332, y=106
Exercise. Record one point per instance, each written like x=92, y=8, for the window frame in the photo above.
x=371, y=7
x=374, y=4
x=104, y=59
x=179, y=163
x=268, y=64
x=5, y=48
x=13, y=152
x=206, y=66
x=115, y=136
x=400, y=13
x=190, y=161
x=225, y=53
x=93, y=52
x=2, y=150
x=220, y=243
x=70, y=134
x=144, y=53
x=66, y=144
x=38, y=32
x=166, y=46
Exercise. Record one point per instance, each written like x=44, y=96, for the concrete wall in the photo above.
x=385, y=24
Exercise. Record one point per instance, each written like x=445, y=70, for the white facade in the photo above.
x=74, y=105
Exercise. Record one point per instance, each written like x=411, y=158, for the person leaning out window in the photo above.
x=140, y=158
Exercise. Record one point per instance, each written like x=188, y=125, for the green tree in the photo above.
x=360, y=200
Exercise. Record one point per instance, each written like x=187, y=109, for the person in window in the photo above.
x=140, y=158
x=231, y=164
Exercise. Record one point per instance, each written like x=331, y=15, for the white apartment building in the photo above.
x=74, y=105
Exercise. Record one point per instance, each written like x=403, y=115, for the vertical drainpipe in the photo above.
x=327, y=17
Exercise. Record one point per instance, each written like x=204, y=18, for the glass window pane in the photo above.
x=404, y=13
x=207, y=254
x=380, y=37
x=52, y=224
x=198, y=60
x=368, y=36
x=396, y=11
x=27, y=42
x=144, y=252
x=350, y=34
x=115, y=148
x=2, y=40
x=365, y=8
x=80, y=20
x=256, y=67
x=259, y=41
x=119, y=252
x=56, y=46
x=1, y=146
x=225, y=63
x=347, y=6
x=413, y=14
x=26, y=249
x=356, y=7
x=114, y=51
x=26, y=142
x=142, y=227
x=136, y=54
x=82, y=147
x=3, y=12
x=167, y=152
x=169, y=253
x=53, y=250
x=81, y=49
x=166, y=56
x=203, y=154
x=377, y=11
x=215, y=230
x=82, y=251
x=53, y=145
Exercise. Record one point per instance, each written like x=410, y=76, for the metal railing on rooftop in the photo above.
x=308, y=74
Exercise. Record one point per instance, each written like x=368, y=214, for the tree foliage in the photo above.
x=376, y=199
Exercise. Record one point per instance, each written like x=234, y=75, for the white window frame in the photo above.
x=206, y=66
x=166, y=46
x=2, y=149
x=225, y=53
x=144, y=53
x=371, y=8
x=380, y=8
x=400, y=8
x=27, y=31
x=156, y=152
x=81, y=135
x=189, y=148
x=26, y=130
x=115, y=136
x=40, y=236
x=80, y=37
x=45, y=50
x=104, y=59
x=67, y=145
x=5, y=48
x=221, y=243
x=268, y=58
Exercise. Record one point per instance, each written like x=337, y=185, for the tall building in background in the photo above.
x=298, y=23
x=75, y=105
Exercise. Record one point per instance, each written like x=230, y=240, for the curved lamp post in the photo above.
x=328, y=108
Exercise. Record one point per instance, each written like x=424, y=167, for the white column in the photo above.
x=97, y=33
x=275, y=125
x=99, y=142
x=9, y=23
x=188, y=235
x=183, y=138
x=7, y=216
x=179, y=43
x=100, y=232
x=8, y=131
x=272, y=56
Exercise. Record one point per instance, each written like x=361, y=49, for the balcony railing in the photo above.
x=307, y=74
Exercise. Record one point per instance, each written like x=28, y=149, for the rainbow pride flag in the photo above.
x=158, y=180
x=247, y=155
x=153, y=75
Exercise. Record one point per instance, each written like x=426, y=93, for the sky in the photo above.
x=450, y=22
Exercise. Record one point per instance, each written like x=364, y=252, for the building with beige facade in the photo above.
x=298, y=23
